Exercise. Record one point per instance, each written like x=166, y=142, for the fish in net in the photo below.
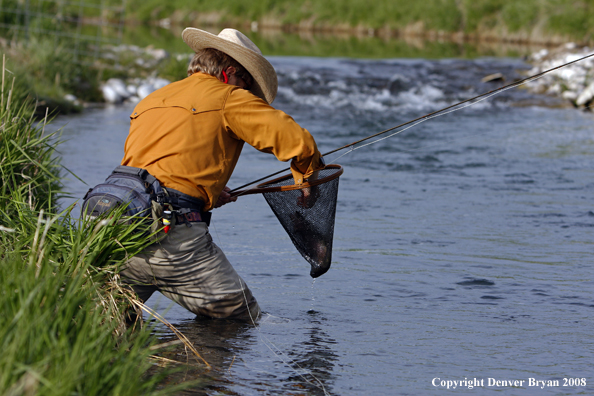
x=307, y=212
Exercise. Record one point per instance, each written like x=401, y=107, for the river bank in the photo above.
x=543, y=22
x=58, y=78
x=419, y=30
x=50, y=77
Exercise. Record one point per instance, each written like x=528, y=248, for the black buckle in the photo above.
x=181, y=213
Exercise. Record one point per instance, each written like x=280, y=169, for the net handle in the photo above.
x=261, y=188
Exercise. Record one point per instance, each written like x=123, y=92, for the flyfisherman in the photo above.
x=189, y=135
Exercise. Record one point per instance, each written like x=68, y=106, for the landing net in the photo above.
x=307, y=212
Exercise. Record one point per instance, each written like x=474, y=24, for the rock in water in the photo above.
x=110, y=95
x=586, y=96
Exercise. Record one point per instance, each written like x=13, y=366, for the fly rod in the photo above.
x=427, y=116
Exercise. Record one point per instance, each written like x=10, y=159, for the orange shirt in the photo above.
x=189, y=135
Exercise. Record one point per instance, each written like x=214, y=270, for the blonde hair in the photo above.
x=213, y=62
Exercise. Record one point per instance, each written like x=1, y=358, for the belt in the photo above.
x=189, y=208
x=187, y=216
x=191, y=217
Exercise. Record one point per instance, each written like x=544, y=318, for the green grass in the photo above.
x=45, y=71
x=62, y=329
x=575, y=21
x=574, y=18
x=58, y=339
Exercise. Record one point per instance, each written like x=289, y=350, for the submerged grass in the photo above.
x=62, y=328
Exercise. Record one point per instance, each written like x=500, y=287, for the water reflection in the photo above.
x=238, y=352
x=313, y=360
x=275, y=42
x=220, y=342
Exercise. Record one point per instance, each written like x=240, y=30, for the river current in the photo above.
x=462, y=246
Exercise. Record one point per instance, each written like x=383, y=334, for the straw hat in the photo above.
x=239, y=47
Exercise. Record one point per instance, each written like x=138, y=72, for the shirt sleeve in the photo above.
x=252, y=120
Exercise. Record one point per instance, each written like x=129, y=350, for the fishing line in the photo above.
x=416, y=121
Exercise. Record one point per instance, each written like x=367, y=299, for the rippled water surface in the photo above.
x=463, y=246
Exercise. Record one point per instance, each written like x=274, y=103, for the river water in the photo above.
x=462, y=248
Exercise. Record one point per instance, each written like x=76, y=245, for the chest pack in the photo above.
x=136, y=189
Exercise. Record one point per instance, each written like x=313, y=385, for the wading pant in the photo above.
x=188, y=268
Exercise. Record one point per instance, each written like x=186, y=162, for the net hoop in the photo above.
x=266, y=187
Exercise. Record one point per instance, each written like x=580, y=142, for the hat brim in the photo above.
x=265, y=83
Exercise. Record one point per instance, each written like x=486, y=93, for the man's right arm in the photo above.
x=272, y=131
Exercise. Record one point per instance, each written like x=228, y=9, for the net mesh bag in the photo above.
x=307, y=213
